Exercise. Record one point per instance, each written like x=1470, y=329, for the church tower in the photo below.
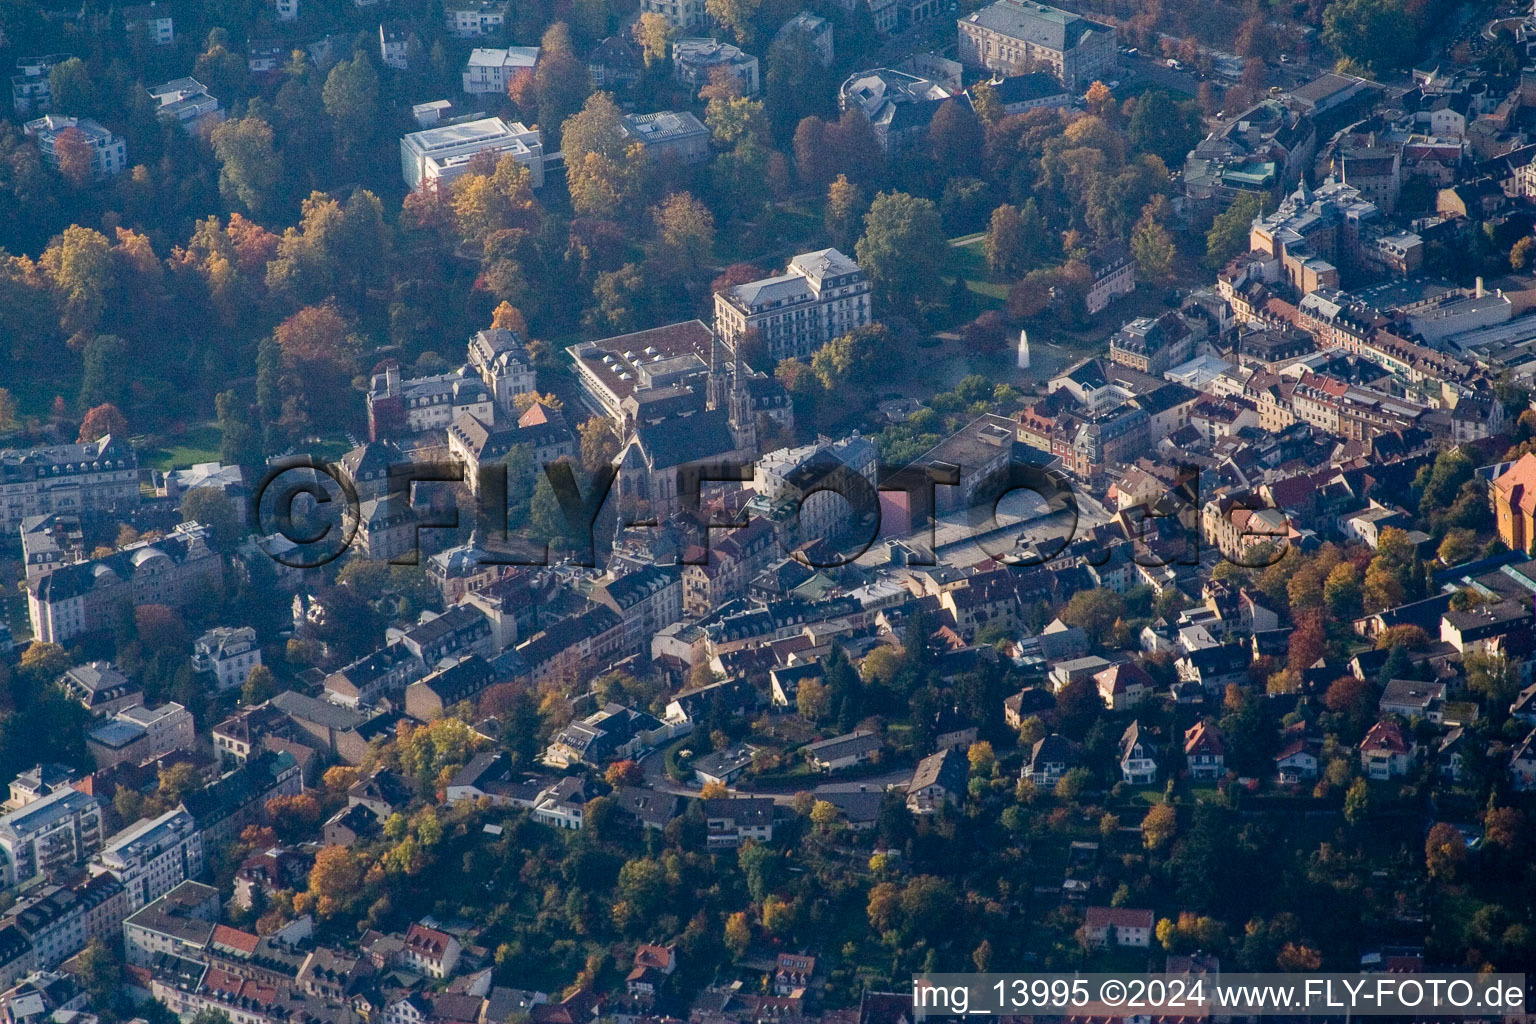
x=717, y=387
x=743, y=423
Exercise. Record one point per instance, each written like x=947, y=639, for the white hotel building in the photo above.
x=823, y=295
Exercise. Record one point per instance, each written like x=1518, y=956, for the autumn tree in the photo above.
x=1159, y=826
x=260, y=686
x=335, y=883
x=560, y=80
x=1445, y=851
x=319, y=357
x=102, y=420
x=75, y=155
x=598, y=445
x=685, y=235
x=654, y=33
x=78, y=264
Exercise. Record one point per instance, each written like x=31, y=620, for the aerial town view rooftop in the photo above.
x=727, y=511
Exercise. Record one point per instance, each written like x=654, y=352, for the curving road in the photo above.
x=655, y=768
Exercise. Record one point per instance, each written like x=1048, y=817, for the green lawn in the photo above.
x=196, y=444
x=968, y=260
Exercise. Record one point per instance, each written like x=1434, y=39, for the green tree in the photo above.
x=1152, y=246
x=239, y=444
x=1357, y=802
x=1163, y=126
x=250, y=168
x=105, y=378
x=1229, y=232
x=215, y=510
x=1006, y=246
x=846, y=206
x=351, y=97
x=70, y=89
x=260, y=686
x=903, y=243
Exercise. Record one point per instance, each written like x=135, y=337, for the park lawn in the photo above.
x=968, y=260
x=199, y=443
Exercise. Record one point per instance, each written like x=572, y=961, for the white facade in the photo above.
x=823, y=295
x=54, y=833
x=474, y=19
x=683, y=15
x=695, y=57
x=439, y=155
x=228, y=653
x=153, y=856
x=109, y=153
x=489, y=70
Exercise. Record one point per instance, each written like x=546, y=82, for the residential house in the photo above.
x=695, y=59
x=1123, y=685
x=463, y=680
x=1117, y=926
x=1204, y=752
x=1138, y=757
x=1050, y=758
x=431, y=952
x=489, y=70
x=730, y=821
x=228, y=653
x=1387, y=751
x=839, y=752
x=100, y=687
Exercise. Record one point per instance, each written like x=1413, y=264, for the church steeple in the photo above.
x=743, y=423
x=715, y=393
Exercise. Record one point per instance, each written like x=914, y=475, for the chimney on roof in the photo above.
x=1479, y=291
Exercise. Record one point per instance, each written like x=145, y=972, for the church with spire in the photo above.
x=736, y=404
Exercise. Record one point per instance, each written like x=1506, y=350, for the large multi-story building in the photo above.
x=489, y=70
x=176, y=570
x=60, y=920
x=153, y=856
x=48, y=836
x=421, y=404
x=822, y=296
x=228, y=653
x=1017, y=37
x=812, y=492
x=474, y=19
x=899, y=105
x=98, y=476
x=682, y=15
x=504, y=366
x=678, y=135
x=696, y=58
x=30, y=91
x=1314, y=234
x=439, y=155
x=138, y=733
